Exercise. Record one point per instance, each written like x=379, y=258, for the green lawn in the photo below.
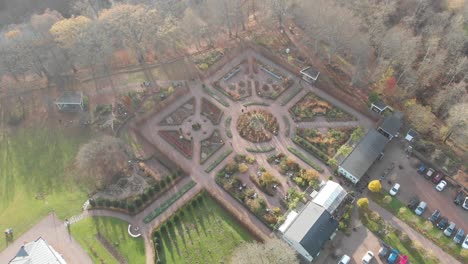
x=400, y=210
x=32, y=178
x=115, y=231
x=204, y=233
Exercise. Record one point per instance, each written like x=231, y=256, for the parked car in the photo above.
x=421, y=208
x=459, y=236
x=421, y=169
x=345, y=259
x=465, y=243
x=449, y=230
x=465, y=204
x=394, y=190
x=393, y=256
x=437, y=178
x=429, y=173
x=441, y=186
x=414, y=201
x=403, y=259
x=459, y=198
x=443, y=222
x=367, y=257
x=383, y=251
x=434, y=216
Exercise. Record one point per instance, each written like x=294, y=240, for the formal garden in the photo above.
x=211, y=111
x=179, y=115
x=233, y=179
x=287, y=167
x=270, y=82
x=325, y=145
x=312, y=106
x=234, y=83
x=210, y=145
x=180, y=142
x=257, y=126
x=200, y=232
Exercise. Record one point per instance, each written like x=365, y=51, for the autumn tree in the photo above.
x=363, y=203
x=449, y=96
x=420, y=117
x=375, y=186
x=100, y=160
x=273, y=251
x=458, y=121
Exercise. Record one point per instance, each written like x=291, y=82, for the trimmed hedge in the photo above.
x=301, y=156
x=256, y=103
x=227, y=124
x=214, y=96
x=218, y=160
x=260, y=150
x=311, y=148
x=166, y=204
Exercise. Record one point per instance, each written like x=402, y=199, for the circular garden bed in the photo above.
x=257, y=126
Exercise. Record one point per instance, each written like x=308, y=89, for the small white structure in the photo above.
x=309, y=75
x=379, y=107
x=37, y=252
x=70, y=102
x=411, y=135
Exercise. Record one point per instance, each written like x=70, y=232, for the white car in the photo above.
x=367, y=257
x=345, y=259
x=441, y=186
x=394, y=190
x=465, y=243
x=465, y=204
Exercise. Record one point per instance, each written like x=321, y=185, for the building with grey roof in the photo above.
x=309, y=74
x=369, y=149
x=37, y=252
x=70, y=102
x=391, y=125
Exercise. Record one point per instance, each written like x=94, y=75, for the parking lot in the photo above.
x=414, y=184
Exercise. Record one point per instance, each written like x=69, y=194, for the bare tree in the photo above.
x=458, y=122
x=451, y=95
x=273, y=251
x=101, y=159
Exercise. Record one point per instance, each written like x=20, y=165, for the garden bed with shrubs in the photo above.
x=260, y=150
x=303, y=157
x=210, y=146
x=327, y=143
x=180, y=114
x=207, y=59
x=257, y=126
x=289, y=168
x=180, y=143
x=211, y=111
x=214, y=96
x=311, y=106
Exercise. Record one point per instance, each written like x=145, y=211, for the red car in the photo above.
x=438, y=178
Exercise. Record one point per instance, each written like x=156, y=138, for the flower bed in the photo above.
x=211, y=111
x=311, y=106
x=210, y=145
x=288, y=167
x=183, y=145
x=205, y=60
x=256, y=103
x=166, y=204
x=260, y=150
x=218, y=160
x=227, y=124
x=179, y=115
x=214, y=96
x=257, y=126
x=301, y=156
x=273, y=90
x=245, y=195
x=310, y=148
x=327, y=143
x=265, y=181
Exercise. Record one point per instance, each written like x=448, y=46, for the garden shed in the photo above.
x=379, y=106
x=411, y=135
x=309, y=74
x=70, y=102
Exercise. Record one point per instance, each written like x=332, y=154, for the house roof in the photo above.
x=380, y=104
x=70, y=97
x=365, y=153
x=310, y=72
x=37, y=252
x=312, y=228
x=412, y=133
x=392, y=124
x=330, y=196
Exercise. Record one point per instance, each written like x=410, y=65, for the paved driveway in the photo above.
x=55, y=233
x=414, y=184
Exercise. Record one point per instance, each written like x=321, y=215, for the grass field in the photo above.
x=115, y=231
x=32, y=178
x=204, y=233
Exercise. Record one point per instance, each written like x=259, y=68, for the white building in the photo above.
x=37, y=252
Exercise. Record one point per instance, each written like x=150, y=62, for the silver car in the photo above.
x=459, y=236
x=449, y=230
x=421, y=208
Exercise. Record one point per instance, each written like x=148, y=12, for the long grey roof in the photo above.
x=365, y=153
x=312, y=228
x=69, y=97
x=392, y=124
